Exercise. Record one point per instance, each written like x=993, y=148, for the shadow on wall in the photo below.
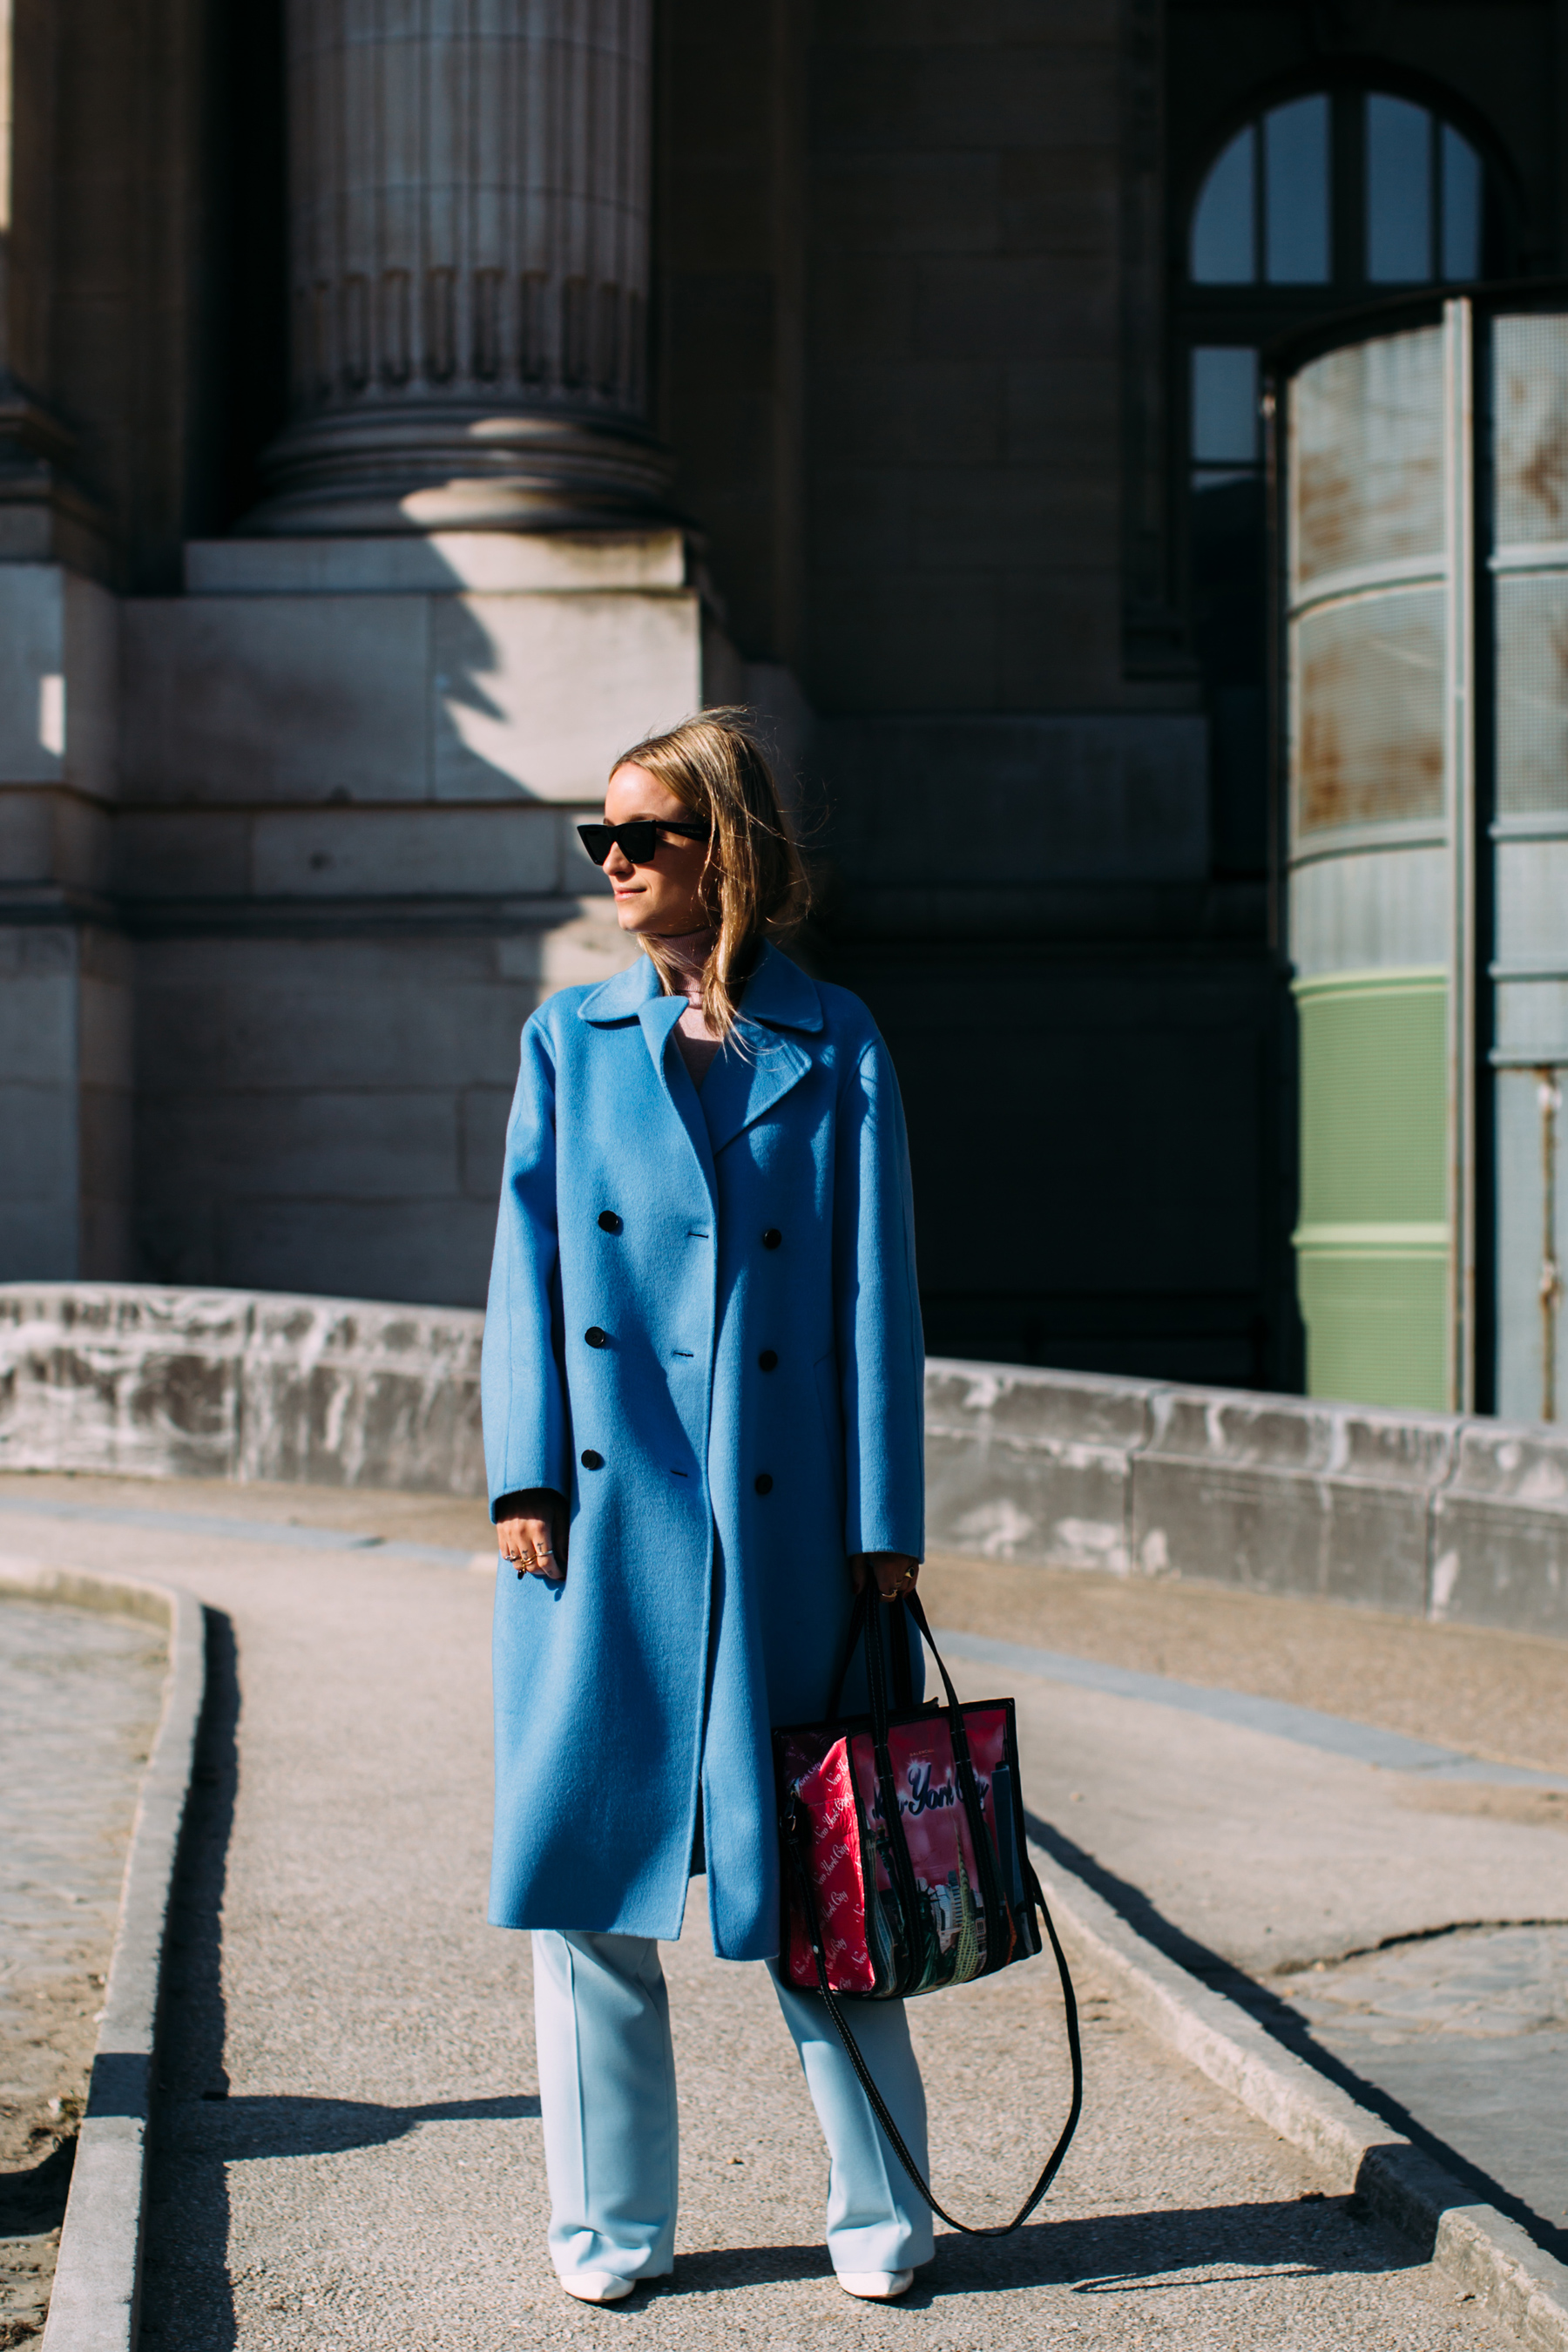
x=352, y=771
x=1093, y=1034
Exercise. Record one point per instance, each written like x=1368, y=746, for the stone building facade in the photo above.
x=403, y=406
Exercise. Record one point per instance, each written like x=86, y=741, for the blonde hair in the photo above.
x=753, y=884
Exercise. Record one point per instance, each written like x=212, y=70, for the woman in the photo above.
x=702, y=1406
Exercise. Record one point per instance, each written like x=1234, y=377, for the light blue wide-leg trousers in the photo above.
x=606, y=2092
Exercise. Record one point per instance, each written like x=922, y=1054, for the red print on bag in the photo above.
x=848, y=1857
x=828, y=1801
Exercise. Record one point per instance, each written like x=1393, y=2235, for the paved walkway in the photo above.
x=1403, y=1905
x=80, y=1696
x=350, y=2144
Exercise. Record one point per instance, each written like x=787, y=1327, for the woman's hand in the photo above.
x=532, y=1533
x=894, y=1571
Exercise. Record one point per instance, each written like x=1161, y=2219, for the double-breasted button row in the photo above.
x=768, y=1360
x=595, y=1337
x=610, y=1223
x=590, y=1460
x=762, y=1483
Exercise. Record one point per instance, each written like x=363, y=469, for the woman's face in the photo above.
x=662, y=899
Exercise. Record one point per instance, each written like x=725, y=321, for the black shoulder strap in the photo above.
x=794, y=1828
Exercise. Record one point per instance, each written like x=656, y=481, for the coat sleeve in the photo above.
x=881, y=1346
x=522, y=1387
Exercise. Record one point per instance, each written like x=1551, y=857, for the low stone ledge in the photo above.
x=1500, y=1531
x=1037, y=1410
x=1424, y=1514
x=130, y=1378
x=1023, y=1464
x=1281, y=1530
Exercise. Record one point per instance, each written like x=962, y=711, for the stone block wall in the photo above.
x=964, y=362
x=330, y=1110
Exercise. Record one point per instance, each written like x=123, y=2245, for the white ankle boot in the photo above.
x=597, y=2287
x=875, y=2286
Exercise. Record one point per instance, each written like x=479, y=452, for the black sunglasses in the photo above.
x=638, y=839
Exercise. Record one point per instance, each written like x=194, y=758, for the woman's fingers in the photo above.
x=529, y=1545
x=895, y=1572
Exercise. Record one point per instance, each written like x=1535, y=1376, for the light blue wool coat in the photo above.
x=712, y=1500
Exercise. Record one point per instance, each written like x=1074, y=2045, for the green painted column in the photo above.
x=1373, y=1244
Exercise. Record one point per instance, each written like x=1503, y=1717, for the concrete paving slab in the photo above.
x=1307, y=1727
x=349, y=2151
x=1469, y=2031
x=1229, y=1845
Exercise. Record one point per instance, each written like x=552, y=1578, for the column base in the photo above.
x=44, y=515
x=455, y=467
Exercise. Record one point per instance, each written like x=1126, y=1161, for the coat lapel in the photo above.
x=756, y=1072
x=753, y=1073
x=632, y=997
x=750, y=1077
x=659, y=1018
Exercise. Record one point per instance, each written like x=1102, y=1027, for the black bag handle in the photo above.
x=866, y=1620
x=863, y=1623
x=863, y=1626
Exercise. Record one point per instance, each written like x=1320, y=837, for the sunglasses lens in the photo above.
x=640, y=840
x=597, y=840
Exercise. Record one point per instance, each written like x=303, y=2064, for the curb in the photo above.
x=1489, y=2256
x=96, y=2302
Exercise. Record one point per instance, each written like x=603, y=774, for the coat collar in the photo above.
x=744, y=1083
x=778, y=994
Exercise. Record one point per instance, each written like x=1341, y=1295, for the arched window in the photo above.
x=1320, y=203
x=1368, y=190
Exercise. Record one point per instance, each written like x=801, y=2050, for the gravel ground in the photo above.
x=79, y=1699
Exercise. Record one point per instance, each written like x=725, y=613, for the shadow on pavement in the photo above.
x=186, y=2291
x=1290, y=2029
x=33, y=2202
x=1308, y=2237
x=273, y=2125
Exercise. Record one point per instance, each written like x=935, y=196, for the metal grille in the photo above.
x=1368, y=710
x=1366, y=473
x=1529, y=412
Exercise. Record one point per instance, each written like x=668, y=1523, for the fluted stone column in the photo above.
x=470, y=187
